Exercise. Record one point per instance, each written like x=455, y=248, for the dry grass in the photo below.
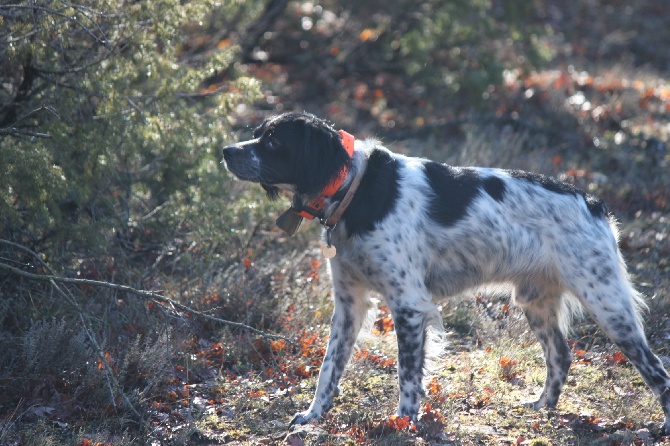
x=478, y=392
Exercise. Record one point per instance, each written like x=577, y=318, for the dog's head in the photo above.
x=297, y=152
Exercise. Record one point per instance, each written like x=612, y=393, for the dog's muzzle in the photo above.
x=241, y=162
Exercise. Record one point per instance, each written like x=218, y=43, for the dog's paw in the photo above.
x=304, y=418
x=538, y=404
x=535, y=405
x=411, y=412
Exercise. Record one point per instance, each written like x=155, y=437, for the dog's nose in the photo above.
x=228, y=152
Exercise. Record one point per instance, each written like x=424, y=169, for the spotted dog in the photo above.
x=416, y=231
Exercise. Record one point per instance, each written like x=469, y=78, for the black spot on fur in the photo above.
x=555, y=391
x=346, y=299
x=407, y=312
x=563, y=351
x=453, y=191
x=376, y=196
x=596, y=207
x=495, y=187
x=648, y=364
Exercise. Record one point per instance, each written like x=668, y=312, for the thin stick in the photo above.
x=142, y=293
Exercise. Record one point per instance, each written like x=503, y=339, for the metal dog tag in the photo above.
x=328, y=251
x=289, y=221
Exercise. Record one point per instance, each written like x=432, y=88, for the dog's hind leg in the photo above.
x=611, y=300
x=545, y=311
x=351, y=306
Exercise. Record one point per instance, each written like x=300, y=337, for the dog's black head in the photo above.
x=293, y=151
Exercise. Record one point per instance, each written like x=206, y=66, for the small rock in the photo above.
x=306, y=434
x=643, y=434
x=279, y=424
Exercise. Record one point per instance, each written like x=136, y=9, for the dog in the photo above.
x=415, y=231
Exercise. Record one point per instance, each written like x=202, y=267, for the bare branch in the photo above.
x=23, y=132
x=48, y=108
x=273, y=9
x=153, y=296
x=57, y=13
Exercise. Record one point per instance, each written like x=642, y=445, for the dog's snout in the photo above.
x=228, y=152
x=241, y=162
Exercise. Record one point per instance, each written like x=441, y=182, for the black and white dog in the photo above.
x=414, y=231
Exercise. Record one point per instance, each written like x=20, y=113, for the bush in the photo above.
x=109, y=118
x=112, y=117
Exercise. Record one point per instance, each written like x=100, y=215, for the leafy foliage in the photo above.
x=106, y=120
x=456, y=46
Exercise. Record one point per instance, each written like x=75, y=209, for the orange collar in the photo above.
x=315, y=206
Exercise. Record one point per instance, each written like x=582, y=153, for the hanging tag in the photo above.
x=329, y=250
x=289, y=221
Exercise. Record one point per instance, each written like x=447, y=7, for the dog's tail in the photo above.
x=434, y=343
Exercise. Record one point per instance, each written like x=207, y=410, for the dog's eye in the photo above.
x=273, y=143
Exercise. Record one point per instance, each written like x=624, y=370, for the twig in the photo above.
x=112, y=382
x=48, y=108
x=11, y=419
x=142, y=293
x=273, y=9
x=57, y=13
x=16, y=131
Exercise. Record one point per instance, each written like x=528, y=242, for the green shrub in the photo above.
x=109, y=117
x=111, y=125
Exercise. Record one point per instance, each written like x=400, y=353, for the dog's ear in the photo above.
x=322, y=158
x=271, y=191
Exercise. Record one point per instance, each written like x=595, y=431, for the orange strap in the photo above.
x=347, y=142
x=314, y=207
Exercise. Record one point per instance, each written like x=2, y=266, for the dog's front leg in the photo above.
x=351, y=305
x=410, y=330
